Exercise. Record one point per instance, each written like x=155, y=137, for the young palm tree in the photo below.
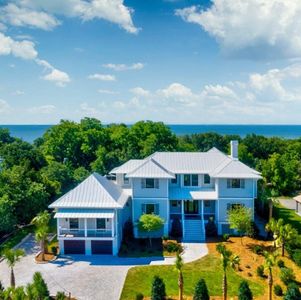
x=41, y=221
x=269, y=263
x=286, y=234
x=228, y=259
x=12, y=257
x=179, y=266
x=274, y=227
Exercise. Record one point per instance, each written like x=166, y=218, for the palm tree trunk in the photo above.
x=12, y=278
x=282, y=249
x=180, y=284
x=270, y=284
x=270, y=209
x=42, y=245
x=225, y=286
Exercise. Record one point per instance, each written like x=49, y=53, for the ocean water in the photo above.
x=31, y=132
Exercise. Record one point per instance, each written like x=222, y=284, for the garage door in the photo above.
x=74, y=247
x=101, y=247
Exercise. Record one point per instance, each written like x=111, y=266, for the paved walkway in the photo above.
x=87, y=277
x=288, y=203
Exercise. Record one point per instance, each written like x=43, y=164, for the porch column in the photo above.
x=202, y=209
x=86, y=228
x=183, y=218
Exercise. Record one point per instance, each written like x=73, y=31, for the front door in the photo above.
x=191, y=207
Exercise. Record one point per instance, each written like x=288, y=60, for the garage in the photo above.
x=74, y=247
x=101, y=247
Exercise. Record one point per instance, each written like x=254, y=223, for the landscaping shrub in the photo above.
x=211, y=229
x=226, y=237
x=176, y=228
x=260, y=271
x=40, y=287
x=128, y=231
x=244, y=292
x=172, y=246
x=292, y=293
x=254, y=231
x=165, y=237
x=287, y=275
x=278, y=290
x=139, y=296
x=257, y=249
x=60, y=296
x=297, y=257
x=158, y=289
x=201, y=291
x=280, y=263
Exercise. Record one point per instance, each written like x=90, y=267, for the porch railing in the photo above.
x=81, y=232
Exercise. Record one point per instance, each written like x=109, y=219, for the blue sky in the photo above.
x=177, y=61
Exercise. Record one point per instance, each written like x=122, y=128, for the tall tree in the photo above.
x=179, y=266
x=269, y=263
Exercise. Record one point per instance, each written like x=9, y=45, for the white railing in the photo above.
x=66, y=232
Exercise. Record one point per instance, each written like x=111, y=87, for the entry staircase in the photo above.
x=194, y=230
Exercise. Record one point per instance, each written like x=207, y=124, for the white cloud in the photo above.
x=139, y=91
x=22, y=16
x=18, y=93
x=251, y=28
x=4, y=106
x=124, y=67
x=111, y=10
x=43, y=109
x=23, y=49
x=88, y=110
x=219, y=91
x=108, y=92
x=102, y=77
x=179, y=93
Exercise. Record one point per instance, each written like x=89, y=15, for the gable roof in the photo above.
x=95, y=191
x=151, y=169
x=128, y=167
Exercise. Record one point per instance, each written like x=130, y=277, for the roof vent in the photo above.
x=234, y=149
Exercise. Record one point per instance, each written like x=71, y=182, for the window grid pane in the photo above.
x=187, y=181
x=195, y=180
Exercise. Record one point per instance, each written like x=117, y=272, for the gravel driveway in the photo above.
x=87, y=277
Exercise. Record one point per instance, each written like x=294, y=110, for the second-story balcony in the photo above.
x=192, y=193
x=65, y=232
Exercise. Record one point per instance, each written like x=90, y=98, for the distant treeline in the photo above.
x=32, y=175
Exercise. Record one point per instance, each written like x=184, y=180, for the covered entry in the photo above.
x=102, y=247
x=74, y=247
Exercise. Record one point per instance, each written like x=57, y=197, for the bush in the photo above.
x=292, y=293
x=39, y=286
x=139, y=296
x=260, y=271
x=226, y=237
x=54, y=250
x=172, y=246
x=244, y=292
x=128, y=231
x=158, y=289
x=211, y=229
x=254, y=231
x=176, y=228
x=278, y=290
x=287, y=275
x=257, y=249
x=60, y=296
x=165, y=237
x=201, y=291
x=280, y=263
x=297, y=257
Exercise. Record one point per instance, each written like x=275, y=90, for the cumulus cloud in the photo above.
x=124, y=67
x=251, y=28
x=43, y=12
x=139, y=91
x=107, y=92
x=43, y=109
x=102, y=77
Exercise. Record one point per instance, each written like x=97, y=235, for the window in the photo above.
x=206, y=179
x=234, y=206
x=175, y=180
x=150, y=208
x=235, y=183
x=73, y=223
x=207, y=203
x=149, y=183
x=126, y=180
x=175, y=203
x=191, y=180
x=101, y=223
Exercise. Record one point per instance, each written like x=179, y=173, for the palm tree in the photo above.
x=228, y=259
x=274, y=227
x=269, y=263
x=179, y=265
x=41, y=221
x=286, y=234
x=12, y=257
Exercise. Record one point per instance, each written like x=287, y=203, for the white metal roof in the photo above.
x=128, y=167
x=94, y=192
x=150, y=169
x=85, y=213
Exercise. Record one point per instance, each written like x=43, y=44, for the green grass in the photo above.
x=139, y=279
x=16, y=238
x=288, y=215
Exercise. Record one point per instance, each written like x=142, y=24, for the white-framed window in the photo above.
x=150, y=208
x=235, y=183
x=149, y=183
x=234, y=205
x=175, y=180
x=191, y=179
x=100, y=223
x=207, y=179
x=73, y=223
x=126, y=180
